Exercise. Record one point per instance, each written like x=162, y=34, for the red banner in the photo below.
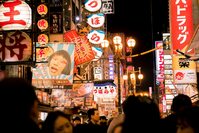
x=181, y=22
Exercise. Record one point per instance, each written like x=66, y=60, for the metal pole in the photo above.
x=119, y=89
x=134, y=83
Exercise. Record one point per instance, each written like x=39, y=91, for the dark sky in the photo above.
x=145, y=21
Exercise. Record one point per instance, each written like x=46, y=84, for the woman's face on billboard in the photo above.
x=57, y=65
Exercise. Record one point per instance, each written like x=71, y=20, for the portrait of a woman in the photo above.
x=59, y=63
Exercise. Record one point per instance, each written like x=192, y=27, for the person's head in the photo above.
x=19, y=102
x=188, y=120
x=141, y=112
x=57, y=122
x=180, y=102
x=103, y=120
x=76, y=121
x=59, y=63
x=93, y=115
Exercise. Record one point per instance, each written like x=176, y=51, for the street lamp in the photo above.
x=131, y=42
x=133, y=78
x=105, y=44
x=117, y=40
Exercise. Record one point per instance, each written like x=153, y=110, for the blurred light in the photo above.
x=132, y=75
x=125, y=77
x=131, y=42
x=105, y=44
x=140, y=76
x=77, y=18
x=117, y=40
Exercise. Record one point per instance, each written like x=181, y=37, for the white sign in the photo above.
x=96, y=36
x=93, y=5
x=96, y=20
x=185, y=76
x=15, y=15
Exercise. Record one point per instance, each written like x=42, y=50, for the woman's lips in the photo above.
x=53, y=69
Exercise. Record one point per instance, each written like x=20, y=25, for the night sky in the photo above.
x=145, y=21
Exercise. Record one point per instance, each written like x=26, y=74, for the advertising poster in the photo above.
x=184, y=70
x=80, y=95
x=54, y=67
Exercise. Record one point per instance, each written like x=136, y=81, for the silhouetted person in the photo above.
x=19, y=106
x=93, y=123
x=103, y=123
x=76, y=121
x=179, y=103
x=57, y=122
x=141, y=115
x=188, y=120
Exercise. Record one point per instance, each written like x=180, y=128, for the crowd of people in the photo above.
x=19, y=113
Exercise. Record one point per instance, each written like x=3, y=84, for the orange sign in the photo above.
x=42, y=24
x=42, y=39
x=42, y=9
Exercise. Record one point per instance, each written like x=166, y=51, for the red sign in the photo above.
x=181, y=24
x=83, y=49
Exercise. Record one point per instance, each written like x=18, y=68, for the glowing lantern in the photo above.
x=15, y=15
x=96, y=36
x=42, y=9
x=93, y=5
x=42, y=39
x=96, y=20
x=42, y=24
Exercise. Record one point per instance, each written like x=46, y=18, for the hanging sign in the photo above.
x=15, y=15
x=83, y=49
x=107, y=7
x=93, y=5
x=96, y=36
x=42, y=9
x=42, y=24
x=96, y=20
x=42, y=39
x=181, y=24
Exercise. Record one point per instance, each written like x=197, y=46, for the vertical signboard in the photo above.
x=56, y=16
x=181, y=23
x=160, y=72
x=42, y=22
